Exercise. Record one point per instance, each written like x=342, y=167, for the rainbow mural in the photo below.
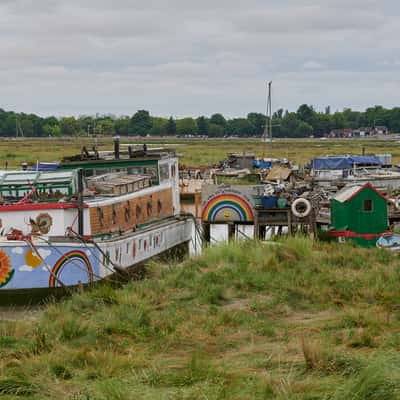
x=74, y=258
x=227, y=207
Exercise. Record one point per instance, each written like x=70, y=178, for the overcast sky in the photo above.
x=184, y=57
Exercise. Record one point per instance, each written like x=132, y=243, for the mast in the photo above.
x=18, y=128
x=267, y=135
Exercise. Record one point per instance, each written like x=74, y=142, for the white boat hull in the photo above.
x=53, y=264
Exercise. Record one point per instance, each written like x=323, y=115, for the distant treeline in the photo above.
x=306, y=121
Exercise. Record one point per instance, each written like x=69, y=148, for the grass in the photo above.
x=197, y=152
x=299, y=320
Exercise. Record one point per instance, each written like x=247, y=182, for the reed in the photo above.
x=295, y=320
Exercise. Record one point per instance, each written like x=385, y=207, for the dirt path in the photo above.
x=18, y=313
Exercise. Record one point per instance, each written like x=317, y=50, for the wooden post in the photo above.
x=80, y=202
x=206, y=232
x=197, y=196
x=231, y=232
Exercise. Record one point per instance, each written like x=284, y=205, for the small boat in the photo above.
x=389, y=242
x=96, y=215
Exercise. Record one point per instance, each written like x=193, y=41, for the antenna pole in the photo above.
x=267, y=135
x=270, y=109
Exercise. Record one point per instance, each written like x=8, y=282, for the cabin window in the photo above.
x=164, y=172
x=368, y=205
x=114, y=215
x=159, y=206
x=138, y=211
x=173, y=170
x=127, y=212
x=100, y=215
x=149, y=208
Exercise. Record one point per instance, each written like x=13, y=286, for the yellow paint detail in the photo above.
x=227, y=214
x=32, y=259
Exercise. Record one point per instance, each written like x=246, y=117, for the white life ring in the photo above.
x=395, y=202
x=305, y=207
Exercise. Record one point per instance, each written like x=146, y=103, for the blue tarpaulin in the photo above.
x=344, y=162
x=46, y=166
x=262, y=164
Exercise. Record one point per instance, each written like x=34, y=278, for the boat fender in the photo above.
x=301, y=207
x=395, y=202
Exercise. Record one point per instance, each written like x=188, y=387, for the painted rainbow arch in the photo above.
x=68, y=259
x=227, y=207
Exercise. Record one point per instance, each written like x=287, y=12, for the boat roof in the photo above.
x=13, y=178
x=349, y=192
x=124, y=156
x=344, y=162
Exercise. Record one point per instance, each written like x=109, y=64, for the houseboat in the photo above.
x=334, y=171
x=95, y=215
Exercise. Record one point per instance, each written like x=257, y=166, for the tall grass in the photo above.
x=295, y=320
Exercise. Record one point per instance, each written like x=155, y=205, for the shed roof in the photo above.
x=278, y=173
x=349, y=192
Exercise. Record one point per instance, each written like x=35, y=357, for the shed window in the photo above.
x=368, y=205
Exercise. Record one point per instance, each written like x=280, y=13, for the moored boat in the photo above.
x=96, y=215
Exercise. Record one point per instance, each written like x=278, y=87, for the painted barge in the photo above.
x=96, y=215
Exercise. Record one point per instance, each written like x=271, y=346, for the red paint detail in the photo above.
x=351, y=234
x=16, y=234
x=39, y=206
x=368, y=184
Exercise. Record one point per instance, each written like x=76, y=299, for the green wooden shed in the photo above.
x=360, y=214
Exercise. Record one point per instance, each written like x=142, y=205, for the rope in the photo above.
x=86, y=241
x=244, y=235
x=62, y=254
x=33, y=248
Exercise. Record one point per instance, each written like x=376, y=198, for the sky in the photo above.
x=191, y=58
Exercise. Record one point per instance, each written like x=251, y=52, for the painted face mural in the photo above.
x=6, y=273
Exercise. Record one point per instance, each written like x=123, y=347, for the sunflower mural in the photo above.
x=6, y=273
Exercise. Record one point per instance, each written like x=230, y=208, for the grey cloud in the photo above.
x=189, y=58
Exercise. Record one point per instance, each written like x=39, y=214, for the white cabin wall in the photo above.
x=175, y=185
x=20, y=220
x=173, y=180
x=71, y=220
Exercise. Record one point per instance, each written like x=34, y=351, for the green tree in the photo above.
x=257, y=120
x=51, y=130
x=186, y=126
x=104, y=126
x=306, y=113
x=304, y=129
x=218, y=119
x=122, y=126
x=69, y=126
x=159, y=126
x=215, y=130
x=202, y=126
x=239, y=127
x=141, y=123
x=171, y=127
x=290, y=124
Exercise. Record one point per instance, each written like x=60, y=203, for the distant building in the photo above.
x=381, y=130
x=363, y=131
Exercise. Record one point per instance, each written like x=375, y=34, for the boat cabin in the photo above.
x=342, y=167
x=121, y=192
x=360, y=214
